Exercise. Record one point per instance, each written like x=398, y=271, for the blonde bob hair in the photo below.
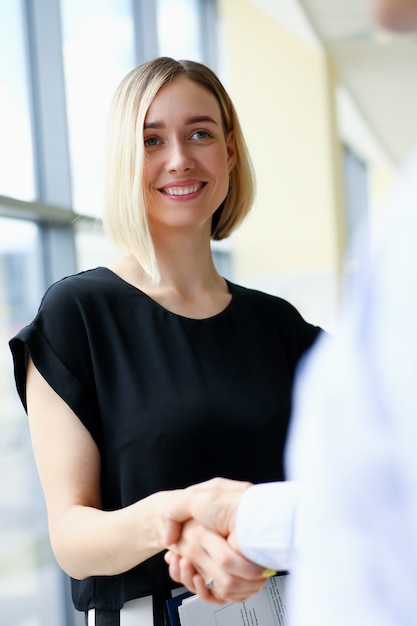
x=125, y=217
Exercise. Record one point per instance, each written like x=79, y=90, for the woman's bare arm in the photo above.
x=86, y=540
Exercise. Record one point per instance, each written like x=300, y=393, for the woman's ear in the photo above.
x=231, y=149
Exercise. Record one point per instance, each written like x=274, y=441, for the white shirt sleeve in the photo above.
x=265, y=524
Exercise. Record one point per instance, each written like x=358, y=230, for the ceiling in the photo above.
x=377, y=69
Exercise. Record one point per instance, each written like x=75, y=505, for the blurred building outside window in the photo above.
x=98, y=50
x=16, y=152
x=31, y=586
x=184, y=41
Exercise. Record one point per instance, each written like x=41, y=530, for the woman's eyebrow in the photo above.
x=153, y=125
x=197, y=119
x=200, y=118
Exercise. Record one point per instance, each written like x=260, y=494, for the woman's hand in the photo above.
x=202, y=555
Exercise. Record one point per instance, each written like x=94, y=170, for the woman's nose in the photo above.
x=180, y=158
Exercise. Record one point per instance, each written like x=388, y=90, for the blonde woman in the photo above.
x=155, y=373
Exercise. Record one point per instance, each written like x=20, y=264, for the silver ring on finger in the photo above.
x=208, y=583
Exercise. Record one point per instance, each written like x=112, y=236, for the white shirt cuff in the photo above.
x=265, y=523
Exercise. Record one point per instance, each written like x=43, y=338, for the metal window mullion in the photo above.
x=209, y=32
x=144, y=14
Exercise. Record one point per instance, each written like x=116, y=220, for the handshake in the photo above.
x=203, y=550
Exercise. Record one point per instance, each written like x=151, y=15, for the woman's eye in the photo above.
x=201, y=134
x=151, y=141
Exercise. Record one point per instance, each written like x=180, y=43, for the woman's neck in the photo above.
x=190, y=284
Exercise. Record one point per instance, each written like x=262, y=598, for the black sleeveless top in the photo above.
x=169, y=400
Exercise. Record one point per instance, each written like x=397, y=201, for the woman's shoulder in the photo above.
x=79, y=288
x=83, y=280
x=277, y=312
x=256, y=297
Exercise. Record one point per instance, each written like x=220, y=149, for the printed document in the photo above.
x=266, y=608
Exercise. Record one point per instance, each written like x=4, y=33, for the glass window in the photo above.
x=184, y=41
x=16, y=154
x=356, y=190
x=98, y=49
x=356, y=213
x=356, y=196
x=92, y=246
x=31, y=586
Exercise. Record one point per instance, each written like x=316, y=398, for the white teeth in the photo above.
x=181, y=191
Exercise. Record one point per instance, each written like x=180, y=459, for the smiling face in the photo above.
x=400, y=15
x=188, y=157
